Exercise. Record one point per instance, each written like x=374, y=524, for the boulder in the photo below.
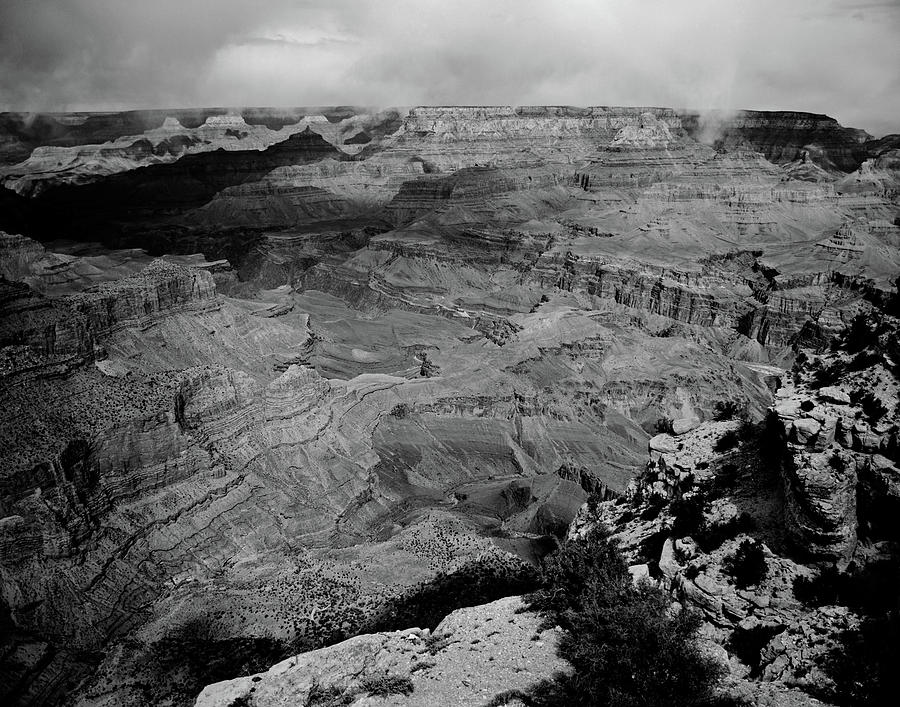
x=639, y=572
x=663, y=443
x=825, y=437
x=833, y=394
x=804, y=430
x=668, y=565
x=684, y=424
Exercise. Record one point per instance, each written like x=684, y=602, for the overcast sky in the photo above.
x=840, y=57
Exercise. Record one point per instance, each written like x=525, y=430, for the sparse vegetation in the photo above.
x=473, y=584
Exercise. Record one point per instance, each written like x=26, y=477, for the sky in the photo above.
x=839, y=57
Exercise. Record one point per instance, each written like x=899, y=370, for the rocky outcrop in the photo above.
x=831, y=452
x=40, y=336
x=161, y=288
x=474, y=655
x=17, y=255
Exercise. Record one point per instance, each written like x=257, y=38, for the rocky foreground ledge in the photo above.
x=474, y=655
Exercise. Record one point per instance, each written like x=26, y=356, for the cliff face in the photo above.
x=38, y=335
x=783, y=136
x=159, y=290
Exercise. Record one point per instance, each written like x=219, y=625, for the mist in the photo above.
x=839, y=57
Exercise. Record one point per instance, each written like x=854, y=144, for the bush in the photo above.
x=663, y=425
x=688, y=515
x=821, y=590
x=711, y=537
x=862, y=333
x=728, y=410
x=864, y=664
x=829, y=375
x=837, y=462
x=747, y=644
x=747, y=565
x=331, y=696
x=726, y=442
x=748, y=431
x=726, y=476
x=872, y=407
x=871, y=589
x=624, y=645
x=400, y=410
x=864, y=359
x=385, y=685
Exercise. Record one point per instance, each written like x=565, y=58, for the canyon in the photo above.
x=268, y=375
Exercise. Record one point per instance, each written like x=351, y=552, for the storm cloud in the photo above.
x=840, y=57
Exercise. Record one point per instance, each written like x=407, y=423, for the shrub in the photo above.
x=728, y=410
x=711, y=537
x=385, y=685
x=688, y=515
x=864, y=359
x=400, y=410
x=726, y=475
x=829, y=375
x=837, y=462
x=747, y=565
x=872, y=407
x=871, y=589
x=864, y=664
x=331, y=696
x=693, y=571
x=747, y=644
x=726, y=442
x=622, y=641
x=862, y=333
x=822, y=589
x=748, y=431
x=663, y=425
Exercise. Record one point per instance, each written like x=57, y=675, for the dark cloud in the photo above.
x=839, y=57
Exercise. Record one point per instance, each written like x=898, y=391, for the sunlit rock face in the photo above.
x=262, y=372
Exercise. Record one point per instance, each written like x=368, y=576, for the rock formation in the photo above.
x=289, y=369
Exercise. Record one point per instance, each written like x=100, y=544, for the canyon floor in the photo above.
x=268, y=377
